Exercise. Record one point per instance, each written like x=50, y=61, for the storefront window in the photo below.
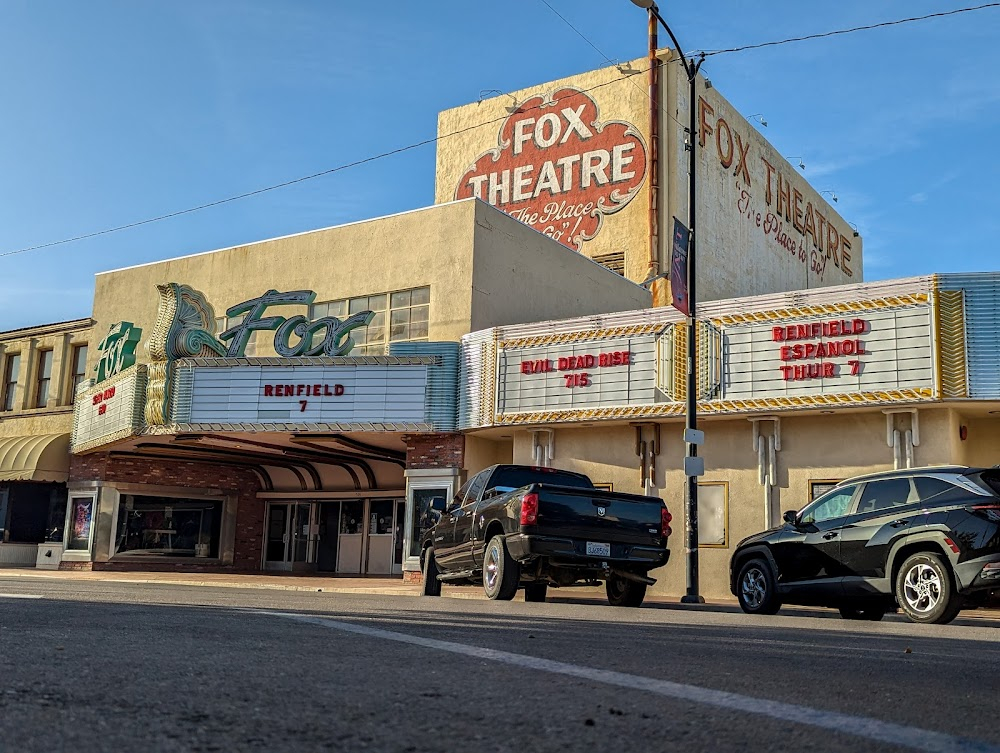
x=168, y=527
x=423, y=516
x=81, y=518
x=31, y=512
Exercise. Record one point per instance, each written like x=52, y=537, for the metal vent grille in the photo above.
x=614, y=261
x=982, y=329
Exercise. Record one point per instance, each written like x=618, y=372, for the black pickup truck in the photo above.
x=513, y=526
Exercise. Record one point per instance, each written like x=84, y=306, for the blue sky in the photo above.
x=116, y=111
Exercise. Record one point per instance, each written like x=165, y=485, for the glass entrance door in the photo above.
x=380, y=536
x=291, y=536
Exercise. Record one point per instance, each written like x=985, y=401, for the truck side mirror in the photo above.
x=791, y=516
x=439, y=504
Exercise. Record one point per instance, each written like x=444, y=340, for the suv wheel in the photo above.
x=925, y=590
x=756, y=589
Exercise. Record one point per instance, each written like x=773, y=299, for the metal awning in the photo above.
x=43, y=457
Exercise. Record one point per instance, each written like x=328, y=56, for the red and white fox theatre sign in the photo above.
x=558, y=168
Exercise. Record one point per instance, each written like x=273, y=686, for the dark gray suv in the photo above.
x=925, y=539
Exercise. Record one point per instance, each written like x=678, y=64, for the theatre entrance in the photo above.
x=349, y=537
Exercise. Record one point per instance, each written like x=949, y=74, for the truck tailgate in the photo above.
x=598, y=516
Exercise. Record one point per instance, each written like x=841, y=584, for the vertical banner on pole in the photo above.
x=679, y=268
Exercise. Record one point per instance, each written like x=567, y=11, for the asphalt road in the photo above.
x=113, y=666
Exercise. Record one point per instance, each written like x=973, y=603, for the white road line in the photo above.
x=21, y=596
x=847, y=724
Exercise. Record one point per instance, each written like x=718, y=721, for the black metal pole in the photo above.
x=692, y=595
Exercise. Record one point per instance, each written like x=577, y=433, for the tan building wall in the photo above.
x=482, y=267
x=814, y=448
x=56, y=417
x=750, y=239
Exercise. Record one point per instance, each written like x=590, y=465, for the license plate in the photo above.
x=595, y=549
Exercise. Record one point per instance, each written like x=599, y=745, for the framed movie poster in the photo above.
x=81, y=515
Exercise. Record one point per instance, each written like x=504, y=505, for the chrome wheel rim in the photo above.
x=922, y=588
x=491, y=569
x=753, y=587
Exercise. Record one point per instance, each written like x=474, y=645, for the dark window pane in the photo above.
x=168, y=527
x=423, y=516
x=932, y=488
x=881, y=495
x=836, y=504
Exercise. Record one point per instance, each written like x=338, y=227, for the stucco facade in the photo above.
x=482, y=268
x=586, y=142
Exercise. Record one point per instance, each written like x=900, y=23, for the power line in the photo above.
x=425, y=142
x=287, y=183
x=852, y=30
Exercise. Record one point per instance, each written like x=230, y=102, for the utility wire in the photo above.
x=425, y=142
x=941, y=14
x=276, y=186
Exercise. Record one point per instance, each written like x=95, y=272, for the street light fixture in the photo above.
x=691, y=435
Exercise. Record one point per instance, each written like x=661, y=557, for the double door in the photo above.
x=353, y=536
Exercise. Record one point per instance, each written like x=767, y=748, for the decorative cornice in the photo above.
x=314, y=361
x=717, y=407
x=289, y=427
x=596, y=334
x=850, y=307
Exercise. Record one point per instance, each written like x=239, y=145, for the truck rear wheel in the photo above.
x=535, y=591
x=431, y=585
x=500, y=571
x=624, y=593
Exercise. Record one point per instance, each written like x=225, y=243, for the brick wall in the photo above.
x=137, y=470
x=434, y=450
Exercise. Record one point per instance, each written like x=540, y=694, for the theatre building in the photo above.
x=271, y=406
x=294, y=404
x=796, y=392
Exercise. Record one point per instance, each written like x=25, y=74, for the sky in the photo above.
x=113, y=112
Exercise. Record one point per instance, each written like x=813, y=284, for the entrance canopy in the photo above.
x=44, y=457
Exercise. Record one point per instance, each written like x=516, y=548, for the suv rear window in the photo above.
x=992, y=479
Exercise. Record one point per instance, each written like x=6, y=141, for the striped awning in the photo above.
x=44, y=457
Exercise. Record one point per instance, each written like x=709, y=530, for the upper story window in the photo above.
x=79, y=369
x=44, y=373
x=222, y=323
x=12, y=365
x=399, y=317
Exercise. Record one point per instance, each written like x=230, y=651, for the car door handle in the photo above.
x=898, y=523
x=831, y=535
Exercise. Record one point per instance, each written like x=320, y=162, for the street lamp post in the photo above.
x=691, y=69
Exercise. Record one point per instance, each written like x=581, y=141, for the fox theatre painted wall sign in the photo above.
x=558, y=168
x=872, y=352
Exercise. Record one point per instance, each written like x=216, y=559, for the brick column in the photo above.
x=434, y=450
x=432, y=461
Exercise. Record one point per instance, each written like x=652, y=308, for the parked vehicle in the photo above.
x=925, y=539
x=513, y=526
